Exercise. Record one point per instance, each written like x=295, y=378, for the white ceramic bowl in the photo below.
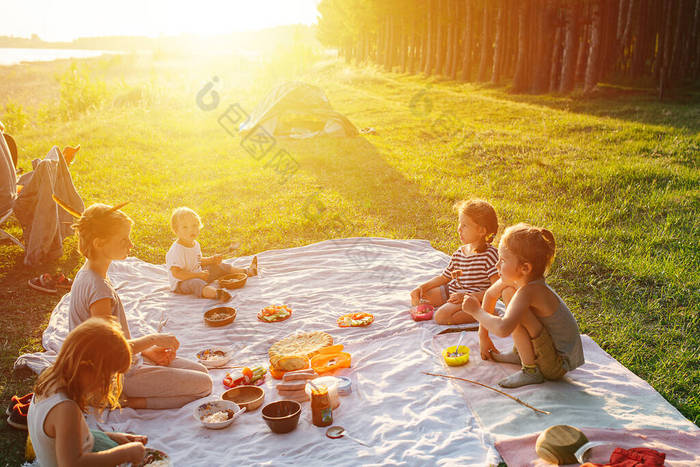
x=214, y=362
x=214, y=406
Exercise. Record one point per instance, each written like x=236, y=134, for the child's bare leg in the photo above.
x=435, y=296
x=451, y=313
x=528, y=328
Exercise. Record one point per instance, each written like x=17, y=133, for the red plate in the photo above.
x=271, y=308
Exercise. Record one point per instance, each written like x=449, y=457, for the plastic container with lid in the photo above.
x=344, y=385
x=330, y=382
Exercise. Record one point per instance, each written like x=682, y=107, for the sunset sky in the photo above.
x=65, y=20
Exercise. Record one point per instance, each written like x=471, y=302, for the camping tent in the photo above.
x=298, y=110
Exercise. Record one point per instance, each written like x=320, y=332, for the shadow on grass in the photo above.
x=357, y=171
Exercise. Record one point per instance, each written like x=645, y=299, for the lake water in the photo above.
x=10, y=56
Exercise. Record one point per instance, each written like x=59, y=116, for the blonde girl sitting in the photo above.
x=545, y=333
x=472, y=268
x=87, y=372
x=159, y=380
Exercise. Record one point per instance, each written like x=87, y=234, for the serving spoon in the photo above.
x=337, y=431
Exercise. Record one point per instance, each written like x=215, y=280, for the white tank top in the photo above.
x=45, y=446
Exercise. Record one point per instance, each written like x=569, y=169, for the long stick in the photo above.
x=493, y=389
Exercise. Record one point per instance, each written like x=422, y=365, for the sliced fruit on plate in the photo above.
x=355, y=320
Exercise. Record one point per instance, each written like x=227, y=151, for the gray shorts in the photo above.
x=195, y=286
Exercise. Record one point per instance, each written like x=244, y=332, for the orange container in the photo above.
x=326, y=362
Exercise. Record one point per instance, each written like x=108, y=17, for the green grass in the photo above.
x=615, y=179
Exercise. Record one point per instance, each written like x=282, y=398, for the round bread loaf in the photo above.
x=557, y=444
x=302, y=346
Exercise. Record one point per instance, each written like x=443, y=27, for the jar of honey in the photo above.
x=321, y=412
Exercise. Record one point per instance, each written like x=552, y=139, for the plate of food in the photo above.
x=155, y=458
x=353, y=320
x=214, y=357
x=274, y=313
x=217, y=414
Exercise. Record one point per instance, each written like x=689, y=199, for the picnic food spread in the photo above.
x=273, y=313
x=355, y=320
x=292, y=352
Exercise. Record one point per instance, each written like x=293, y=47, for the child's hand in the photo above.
x=134, y=452
x=159, y=355
x=166, y=340
x=456, y=273
x=217, y=259
x=456, y=298
x=415, y=296
x=124, y=438
x=470, y=304
x=204, y=275
x=486, y=347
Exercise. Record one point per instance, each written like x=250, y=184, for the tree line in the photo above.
x=538, y=46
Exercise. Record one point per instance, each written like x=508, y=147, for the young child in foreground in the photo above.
x=159, y=380
x=87, y=371
x=472, y=268
x=545, y=333
x=190, y=272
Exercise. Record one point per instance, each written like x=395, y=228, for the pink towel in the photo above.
x=682, y=448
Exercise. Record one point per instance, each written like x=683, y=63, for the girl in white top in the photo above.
x=87, y=371
x=472, y=268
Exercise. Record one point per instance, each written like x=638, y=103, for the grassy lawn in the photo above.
x=616, y=179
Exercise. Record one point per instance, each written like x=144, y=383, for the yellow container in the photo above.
x=456, y=361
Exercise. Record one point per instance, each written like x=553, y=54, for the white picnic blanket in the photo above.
x=407, y=418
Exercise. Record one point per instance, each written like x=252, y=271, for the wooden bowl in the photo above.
x=211, y=318
x=233, y=281
x=250, y=397
x=282, y=416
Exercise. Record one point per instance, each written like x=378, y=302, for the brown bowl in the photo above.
x=233, y=281
x=211, y=318
x=282, y=416
x=250, y=397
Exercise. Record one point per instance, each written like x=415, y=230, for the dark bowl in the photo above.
x=208, y=316
x=282, y=416
x=233, y=281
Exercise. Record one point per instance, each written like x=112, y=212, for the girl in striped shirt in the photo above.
x=472, y=268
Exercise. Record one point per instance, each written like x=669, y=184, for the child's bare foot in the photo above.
x=222, y=295
x=507, y=357
x=522, y=378
x=253, y=268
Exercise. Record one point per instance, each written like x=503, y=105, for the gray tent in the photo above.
x=298, y=110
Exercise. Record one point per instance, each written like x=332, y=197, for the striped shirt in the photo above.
x=476, y=269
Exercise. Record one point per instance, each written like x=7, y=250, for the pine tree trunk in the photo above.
x=428, y=50
x=667, y=47
x=498, y=43
x=486, y=45
x=544, y=48
x=592, y=68
x=583, y=49
x=675, y=74
x=448, y=20
x=440, y=48
x=571, y=45
x=555, y=69
x=467, y=42
x=520, y=79
x=456, y=25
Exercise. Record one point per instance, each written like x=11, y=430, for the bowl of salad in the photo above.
x=217, y=414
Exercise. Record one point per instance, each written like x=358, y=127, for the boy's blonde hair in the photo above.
x=98, y=221
x=533, y=245
x=482, y=213
x=98, y=346
x=179, y=213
